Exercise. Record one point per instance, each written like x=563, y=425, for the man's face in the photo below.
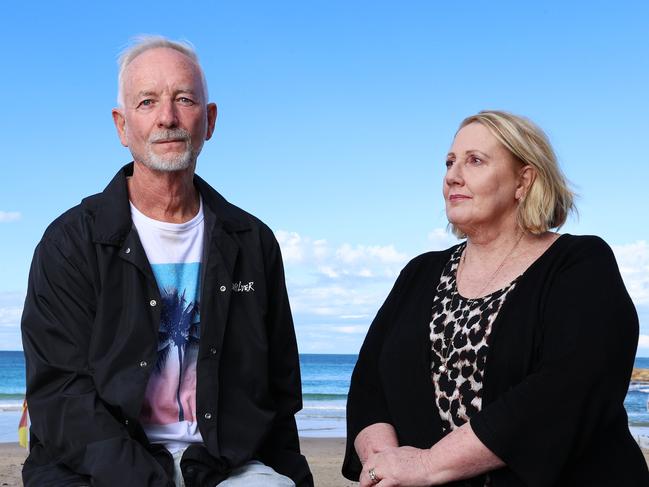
x=165, y=118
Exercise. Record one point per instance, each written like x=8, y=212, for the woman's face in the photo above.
x=483, y=181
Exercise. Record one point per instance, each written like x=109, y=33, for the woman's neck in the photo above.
x=489, y=264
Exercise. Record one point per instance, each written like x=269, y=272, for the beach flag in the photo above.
x=23, y=426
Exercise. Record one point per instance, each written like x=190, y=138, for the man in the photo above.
x=158, y=337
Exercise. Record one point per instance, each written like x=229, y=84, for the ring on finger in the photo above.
x=372, y=474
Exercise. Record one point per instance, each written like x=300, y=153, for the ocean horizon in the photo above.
x=325, y=382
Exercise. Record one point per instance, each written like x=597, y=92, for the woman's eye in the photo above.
x=475, y=160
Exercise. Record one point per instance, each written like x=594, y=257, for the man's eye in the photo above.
x=185, y=101
x=146, y=103
x=449, y=163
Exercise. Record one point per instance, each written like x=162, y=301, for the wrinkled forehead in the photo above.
x=161, y=68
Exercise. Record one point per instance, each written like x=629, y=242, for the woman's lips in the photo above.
x=458, y=197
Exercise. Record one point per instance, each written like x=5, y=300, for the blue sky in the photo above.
x=334, y=119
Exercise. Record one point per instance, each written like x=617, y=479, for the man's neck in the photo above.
x=168, y=196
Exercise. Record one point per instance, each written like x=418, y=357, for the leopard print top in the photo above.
x=459, y=335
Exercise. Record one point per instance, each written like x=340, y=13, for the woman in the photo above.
x=505, y=360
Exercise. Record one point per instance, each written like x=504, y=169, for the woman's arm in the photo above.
x=366, y=406
x=459, y=455
x=375, y=439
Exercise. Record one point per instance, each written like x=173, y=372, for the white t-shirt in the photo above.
x=174, y=251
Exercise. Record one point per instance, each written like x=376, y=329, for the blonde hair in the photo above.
x=549, y=199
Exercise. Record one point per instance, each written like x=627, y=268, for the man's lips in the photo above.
x=172, y=141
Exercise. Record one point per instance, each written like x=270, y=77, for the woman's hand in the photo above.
x=403, y=466
x=459, y=455
x=374, y=439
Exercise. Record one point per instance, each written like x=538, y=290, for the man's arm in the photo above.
x=282, y=448
x=69, y=419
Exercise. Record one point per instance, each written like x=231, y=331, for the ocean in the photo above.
x=325, y=381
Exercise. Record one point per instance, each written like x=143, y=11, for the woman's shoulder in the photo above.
x=583, y=241
x=575, y=254
x=582, y=246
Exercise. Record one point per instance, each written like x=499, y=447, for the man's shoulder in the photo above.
x=106, y=210
x=73, y=224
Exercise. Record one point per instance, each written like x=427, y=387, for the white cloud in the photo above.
x=643, y=342
x=292, y=246
x=349, y=254
x=335, y=290
x=11, y=309
x=319, y=258
x=441, y=239
x=355, y=329
x=10, y=316
x=9, y=216
x=633, y=260
x=328, y=271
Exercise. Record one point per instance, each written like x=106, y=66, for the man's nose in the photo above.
x=167, y=114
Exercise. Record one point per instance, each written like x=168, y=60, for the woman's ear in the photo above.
x=526, y=178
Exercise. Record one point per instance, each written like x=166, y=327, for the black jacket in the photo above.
x=560, y=357
x=90, y=327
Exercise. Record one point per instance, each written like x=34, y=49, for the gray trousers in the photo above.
x=252, y=474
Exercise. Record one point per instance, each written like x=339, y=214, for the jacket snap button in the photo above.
x=213, y=350
x=143, y=363
x=208, y=416
x=126, y=422
x=222, y=288
x=152, y=302
x=128, y=250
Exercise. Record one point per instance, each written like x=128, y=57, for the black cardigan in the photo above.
x=558, y=367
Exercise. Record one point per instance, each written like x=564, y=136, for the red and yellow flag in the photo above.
x=23, y=427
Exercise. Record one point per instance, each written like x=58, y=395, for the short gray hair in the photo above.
x=143, y=43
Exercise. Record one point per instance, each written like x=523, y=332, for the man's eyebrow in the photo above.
x=186, y=90
x=146, y=93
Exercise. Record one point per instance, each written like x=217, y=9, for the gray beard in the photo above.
x=168, y=162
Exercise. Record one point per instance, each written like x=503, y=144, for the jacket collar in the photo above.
x=112, y=212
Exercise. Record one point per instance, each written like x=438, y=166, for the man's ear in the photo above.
x=211, y=120
x=120, y=125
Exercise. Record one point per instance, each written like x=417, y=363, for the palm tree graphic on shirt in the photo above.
x=179, y=326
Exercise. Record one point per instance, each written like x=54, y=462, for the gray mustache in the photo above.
x=170, y=134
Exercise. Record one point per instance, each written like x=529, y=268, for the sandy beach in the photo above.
x=324, y=455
